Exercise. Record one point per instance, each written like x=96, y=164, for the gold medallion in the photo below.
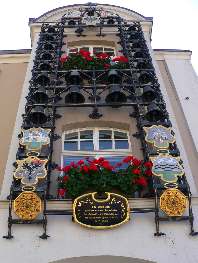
x=173, y=202
x=27, y=205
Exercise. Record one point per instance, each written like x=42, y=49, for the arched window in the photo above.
x=93, y=49
x=113, y=144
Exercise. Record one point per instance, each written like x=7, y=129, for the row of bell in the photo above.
x=38, y=115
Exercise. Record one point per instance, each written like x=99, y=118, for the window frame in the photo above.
x=91, y=47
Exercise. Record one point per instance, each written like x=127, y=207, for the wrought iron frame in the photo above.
x=94, y=90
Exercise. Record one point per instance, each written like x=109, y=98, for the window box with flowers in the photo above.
x=127, y=177
x=83, y=60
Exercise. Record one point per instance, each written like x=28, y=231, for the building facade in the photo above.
x=93, y=87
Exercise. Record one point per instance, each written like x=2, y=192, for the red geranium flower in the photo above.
x=66, y=168
x=136, y=171
x=102, y=55
x=63, y=58
x=148, y=172
x=61, y=192
x=136, y=162
x=148, y=165
x=88, y=58
x=120, y=59
x=93, y=167
x=127, y=159
x=80, y=162
x=107, y=165
x=84, y=53
x=141, y=181
x=106, y=66
x=85, y=169
x=65, y=178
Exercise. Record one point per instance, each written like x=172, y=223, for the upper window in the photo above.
x=96, y=139
x=94, y=50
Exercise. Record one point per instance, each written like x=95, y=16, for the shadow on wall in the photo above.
x=103, y=259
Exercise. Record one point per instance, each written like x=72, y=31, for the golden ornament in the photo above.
x=173, y=202
x=27, y=205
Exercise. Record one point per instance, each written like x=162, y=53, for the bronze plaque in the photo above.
x=101, y=213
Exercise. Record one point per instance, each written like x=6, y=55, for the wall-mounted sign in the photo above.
x=173, y=202
x=101, y=213
x=35, y=138
x=159, y=136
x=167, y=167
x=30, y=170
x=27, y=205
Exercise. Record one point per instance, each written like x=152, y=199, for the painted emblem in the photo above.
x=35, y=138
x=27, y=205
x=30, y=170
x=159, y=136
x=98, y=213
x=167, y=167
x=173, y=202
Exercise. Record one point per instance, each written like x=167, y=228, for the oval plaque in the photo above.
x=101, y=213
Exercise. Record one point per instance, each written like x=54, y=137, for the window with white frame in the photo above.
x=113, y=144
x=94, y=50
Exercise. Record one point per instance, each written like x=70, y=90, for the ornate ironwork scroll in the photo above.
x=96, y=213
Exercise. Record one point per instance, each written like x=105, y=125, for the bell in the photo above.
x=42, y=80
x=46, y=56
x=74, y=96
x=132, y=28
x=45, y=66
x=139, y=54
x=79, y=30
x=40, y=96
x=48, y=46
x=116, y=95
x=110, y=21
x=114, y=77
x=154, y=113
x=37, y=115
x=143, y=65
x=148, y=94
x=134, y=35
x=49, y=38
x=71, y=23
x=51, y=29
x=73, y=78
x=146, y=77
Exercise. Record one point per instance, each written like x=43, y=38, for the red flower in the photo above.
x=95, y=161
x=84, y=53
x=88, y=58
x=93, y=167
x=141, y=181
x=102, y=55
x=65, y=178
x=73, y=164
x=66, y=169
x=148, y=172
x=127, y=159
x=80, y=162
x=63, y=58
x=100, y=160
x=85, y=169
x=149, y=165
x=61, y=192
x=107, y=165
x=120, y=59
x=106, y=66
x=136, y=162
x=136, y=171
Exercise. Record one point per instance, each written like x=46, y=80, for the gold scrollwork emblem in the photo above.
x=27, y=205
x=173, y=202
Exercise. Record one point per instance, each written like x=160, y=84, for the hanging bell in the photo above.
x=48, y=37
x=73, y=78
x=114, y=77
x=46, y=56
x=37, y=115
x=144, y=65
x=148, y=94
x=154, y=113
x=48, y=46
x=139, y=54
x=45, y=66
x=115, y=95
x=42, y=80
x=146, y=77
x=40, y=96
x=132, y=28
x=134, y=35
x=79, y=30
x=51, y=29
x=71, y=23
x=74, y=96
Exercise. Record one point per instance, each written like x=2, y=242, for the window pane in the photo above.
x=86, y=134
x=120, y=135
x=97, y=50
x=84, y=48
x=121, y=144
x=73, y=50
x=71, y=136
x=105, y=134
x=68, y=159
x=117, y=159
x=105, y=145
x=109, y=51
x=86, y=146
x=70, y=146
